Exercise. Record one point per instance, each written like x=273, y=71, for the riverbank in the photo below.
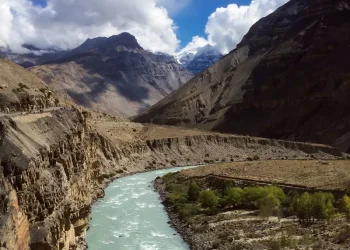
x=174, y=219
x=68, y=157
x=239, y=228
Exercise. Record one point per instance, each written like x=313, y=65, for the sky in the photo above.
x=169, y=26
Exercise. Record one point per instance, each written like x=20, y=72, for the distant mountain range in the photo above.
x=198, y=61
x=113, y=75
x=34, y=56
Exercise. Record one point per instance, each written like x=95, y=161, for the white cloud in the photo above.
x=67, y=23
x=197, y=42
x=173, y=6
x=227, y=26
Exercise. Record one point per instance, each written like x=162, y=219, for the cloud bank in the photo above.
x=67, y=23
x=227, y=26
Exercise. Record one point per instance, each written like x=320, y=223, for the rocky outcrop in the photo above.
x=22, y=91
x=114, y=75
x=287, y=79
x=57, y=164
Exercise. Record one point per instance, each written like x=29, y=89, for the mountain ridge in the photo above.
x=290, y=62
x=113, y=75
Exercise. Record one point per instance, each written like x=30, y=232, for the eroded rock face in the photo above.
x=57, y=164
x=288, y=79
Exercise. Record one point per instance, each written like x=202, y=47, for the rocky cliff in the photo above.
x=114, y=75
x=288, y=79
x=55, y=165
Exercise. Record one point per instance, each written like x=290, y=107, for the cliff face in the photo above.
x=288, y=79
x=55, y=165
x=114, y=75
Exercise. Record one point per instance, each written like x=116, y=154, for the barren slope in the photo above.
x=288, y=79
x=20, y=90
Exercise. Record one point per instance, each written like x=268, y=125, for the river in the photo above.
x=132, y=217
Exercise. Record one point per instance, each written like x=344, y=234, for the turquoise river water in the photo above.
x=132, y=217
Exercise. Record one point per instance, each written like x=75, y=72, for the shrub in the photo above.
x=343, y=235
x=233, y=197
x=188, y=210
x=193, y=192
x=176, y=198
x=208, y=199
x=256, y=157
x=345, y=206
x=304, y=207
x=216, y=244
x=268, y=205
x=285, y=240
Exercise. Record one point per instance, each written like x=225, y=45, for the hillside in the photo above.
x=55, y=164
x=114, y=75
x=287, y=79
x=20, y=90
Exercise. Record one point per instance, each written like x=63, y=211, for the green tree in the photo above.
x=277, y=192
x=251, y=195
x=193, y=192
x=233, y=197
x=304, y=207
x=345, y=206
x=322, y=206
x=268, y=205
x=208, y=199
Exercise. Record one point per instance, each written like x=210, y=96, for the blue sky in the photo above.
x=39, y=2
x=192, y=19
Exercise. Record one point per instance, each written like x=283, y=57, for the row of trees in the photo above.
x=270, y=200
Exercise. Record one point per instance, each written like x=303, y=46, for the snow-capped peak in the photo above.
x=196, y=60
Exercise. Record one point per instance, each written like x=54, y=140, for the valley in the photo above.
x=68, y=157
x=123, y=136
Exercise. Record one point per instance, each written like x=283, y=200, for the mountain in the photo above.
x=198, y=61
x=288, y=79
x=114, y=75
